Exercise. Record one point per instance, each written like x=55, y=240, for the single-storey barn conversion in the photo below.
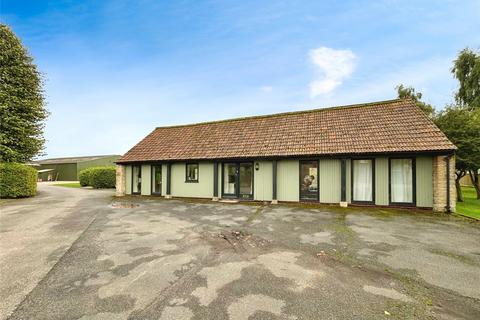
x=385, y=153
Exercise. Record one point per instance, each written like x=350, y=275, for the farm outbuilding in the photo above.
x=67, y=169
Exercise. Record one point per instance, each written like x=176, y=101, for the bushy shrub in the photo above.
x=103, y=177
x=84, y=177
x=17, y=180
x=98, y=177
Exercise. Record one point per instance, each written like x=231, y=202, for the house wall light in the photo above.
x=257, y=166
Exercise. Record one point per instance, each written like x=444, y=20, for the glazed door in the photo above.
x=309, y=180
x=157, y=180
x=238, y=180
x=245, y=178
x=229, y=186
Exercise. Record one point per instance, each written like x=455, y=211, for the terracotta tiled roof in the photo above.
x=380, y=127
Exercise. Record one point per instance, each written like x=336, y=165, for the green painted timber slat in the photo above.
x=201, y=189
x=381, y=181
x=288, y=180
x=424, y=180
x=263, y=181
x=330, y=180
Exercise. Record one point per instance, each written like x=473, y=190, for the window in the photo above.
x=363, y=180
x=245, y=179
x=309, y=180
x=136, y=179
x=156, y=180
x=230, y=178
x=401, y=181
x=237, y=180
x=191, y=172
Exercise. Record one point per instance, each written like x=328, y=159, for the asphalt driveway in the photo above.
x=81, y=254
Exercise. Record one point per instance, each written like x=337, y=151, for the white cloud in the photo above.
x=430, y=76
x=334, y=66
x=266, y=89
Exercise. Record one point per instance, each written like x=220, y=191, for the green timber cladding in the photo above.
x=386, y=153
x=202, y=189
x=68, y=169
x=60, y=172
x=288, y=182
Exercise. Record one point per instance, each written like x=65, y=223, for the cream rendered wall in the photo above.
x=424, y=180
x=263, y=181
x=146, y=189
x=202, y=189
x=381, y=182
x=288, y=180
x=128, y=179
x=330, y=182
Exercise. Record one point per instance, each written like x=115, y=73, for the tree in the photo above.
x=409, y=92
x=462, y=127
x=460, y=122
x=22, y=105
x=466, y=69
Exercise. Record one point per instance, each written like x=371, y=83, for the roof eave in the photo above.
x=297, y=156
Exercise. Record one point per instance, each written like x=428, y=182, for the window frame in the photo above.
x=246, y=196
x=300, y=180
x=414, y=182
x=187, y=180
x=229, y=195
x=152, y=179
x=140, y=176
x=353, y=178
x=237, y=194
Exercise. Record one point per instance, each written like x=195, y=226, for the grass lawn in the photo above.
x=470, y=206
x=69, y=185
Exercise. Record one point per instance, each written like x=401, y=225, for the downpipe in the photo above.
x=448, y=208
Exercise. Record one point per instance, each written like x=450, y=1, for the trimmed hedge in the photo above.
x=98, y=177
x=103, y=177
x=17, y=180
x=84, y=177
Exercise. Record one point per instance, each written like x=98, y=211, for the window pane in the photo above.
x=157, y=179
x=137, y=179
x=362, y=180
x=192, y=172
x=246, y=178
x=309, y=180
x=229, y=177
x=401, y=176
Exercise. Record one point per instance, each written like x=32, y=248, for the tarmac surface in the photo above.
x=83, y=254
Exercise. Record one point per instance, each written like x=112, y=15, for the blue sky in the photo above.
x=117, y=69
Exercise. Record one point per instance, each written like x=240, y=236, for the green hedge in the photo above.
x=98, y=177
x=84, y=177
x=17, y=180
